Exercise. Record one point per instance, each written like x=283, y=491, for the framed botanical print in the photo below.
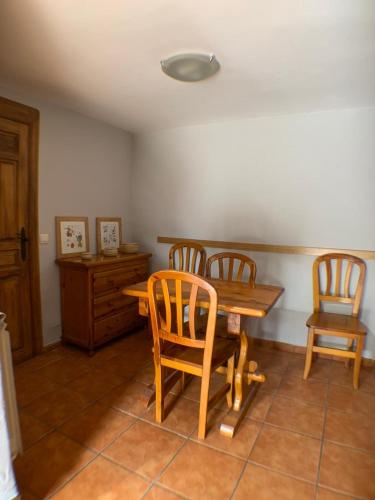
x=108, y=232
x=72, y=236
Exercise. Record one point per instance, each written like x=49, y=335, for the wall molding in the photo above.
x=276, y=345
x=262, y=247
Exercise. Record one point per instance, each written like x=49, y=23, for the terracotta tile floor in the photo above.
x=88, y=435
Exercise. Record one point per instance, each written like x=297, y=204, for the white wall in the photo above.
x=298, y=180
x=84, y=169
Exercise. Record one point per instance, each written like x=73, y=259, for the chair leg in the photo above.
x=159, y=394
x=309, y=353
x=357, y=362
x=230, y=379
x=182, y=382
x=350, y=346
x=203, y=406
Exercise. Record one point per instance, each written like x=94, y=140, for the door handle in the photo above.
x=23, y=240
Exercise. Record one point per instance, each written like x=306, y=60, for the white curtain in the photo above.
x=8, y=486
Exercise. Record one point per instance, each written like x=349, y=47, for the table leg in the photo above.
x=239, y=376
x=246, y=374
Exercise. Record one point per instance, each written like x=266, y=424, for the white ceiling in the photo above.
x=101, y=57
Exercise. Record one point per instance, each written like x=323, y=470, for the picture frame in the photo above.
x=108, y=233
x=72, y=236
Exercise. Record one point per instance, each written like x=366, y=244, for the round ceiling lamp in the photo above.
x=190, y=67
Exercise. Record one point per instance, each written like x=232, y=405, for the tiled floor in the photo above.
x=88, y=434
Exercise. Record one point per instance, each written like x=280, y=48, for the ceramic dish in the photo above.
x=129, y=248
x=110, y=252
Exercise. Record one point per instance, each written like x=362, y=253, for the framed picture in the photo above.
x=108, y=232
x=72, y=236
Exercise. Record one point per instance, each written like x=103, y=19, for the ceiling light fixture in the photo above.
x=190, y=67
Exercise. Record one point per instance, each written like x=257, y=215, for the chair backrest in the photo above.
x=341, y=283
x=174, y=289
x=189, y=257
x=232, y=267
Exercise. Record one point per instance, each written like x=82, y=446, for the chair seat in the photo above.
x=337, y=322
x=222, y=350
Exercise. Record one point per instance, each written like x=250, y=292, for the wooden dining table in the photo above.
x=238, y=301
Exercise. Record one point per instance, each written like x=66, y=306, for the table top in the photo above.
x=233, y=297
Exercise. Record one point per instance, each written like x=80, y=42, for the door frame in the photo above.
x=21, y=113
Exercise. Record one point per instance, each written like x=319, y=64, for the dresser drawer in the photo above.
x=112, y=303
x=94, y=310
x=118, y=323
x=112, y=281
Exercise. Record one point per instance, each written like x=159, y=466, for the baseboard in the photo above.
x=52, y=346
x=297, y=349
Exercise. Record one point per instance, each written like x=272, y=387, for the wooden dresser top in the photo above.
x=100, y=260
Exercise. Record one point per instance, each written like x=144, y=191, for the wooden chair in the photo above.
x=335, y=289
x=238, y=264
x=189, y=257
x=185, y=349
x=230, y=266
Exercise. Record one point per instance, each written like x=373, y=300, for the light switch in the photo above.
x=44, y=239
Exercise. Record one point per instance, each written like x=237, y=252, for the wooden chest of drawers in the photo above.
x=93, y=309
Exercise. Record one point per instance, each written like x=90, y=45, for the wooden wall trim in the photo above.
x=262, y=247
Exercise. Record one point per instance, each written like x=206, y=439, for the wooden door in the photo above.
x=19, y=268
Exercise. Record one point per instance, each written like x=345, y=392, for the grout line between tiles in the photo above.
x=322, y=439
x=299, y=399
x=25, y=449
x=354, y=448
x=86, y=404
x=282, y=473
x=341, y=492
x=155, y=480
x=81, y=410
x=238, y=481
x=309, y=403
x=277, y=393
x=122, y=466
x=273, y=396
x=118, y=436
x=153, y=423
x=92, y=449
x=220, y=450
x=293, y=431
x=163, y=487
x=61, y=486
x=142, y=476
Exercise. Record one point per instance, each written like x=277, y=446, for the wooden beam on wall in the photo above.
x=262, y=247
